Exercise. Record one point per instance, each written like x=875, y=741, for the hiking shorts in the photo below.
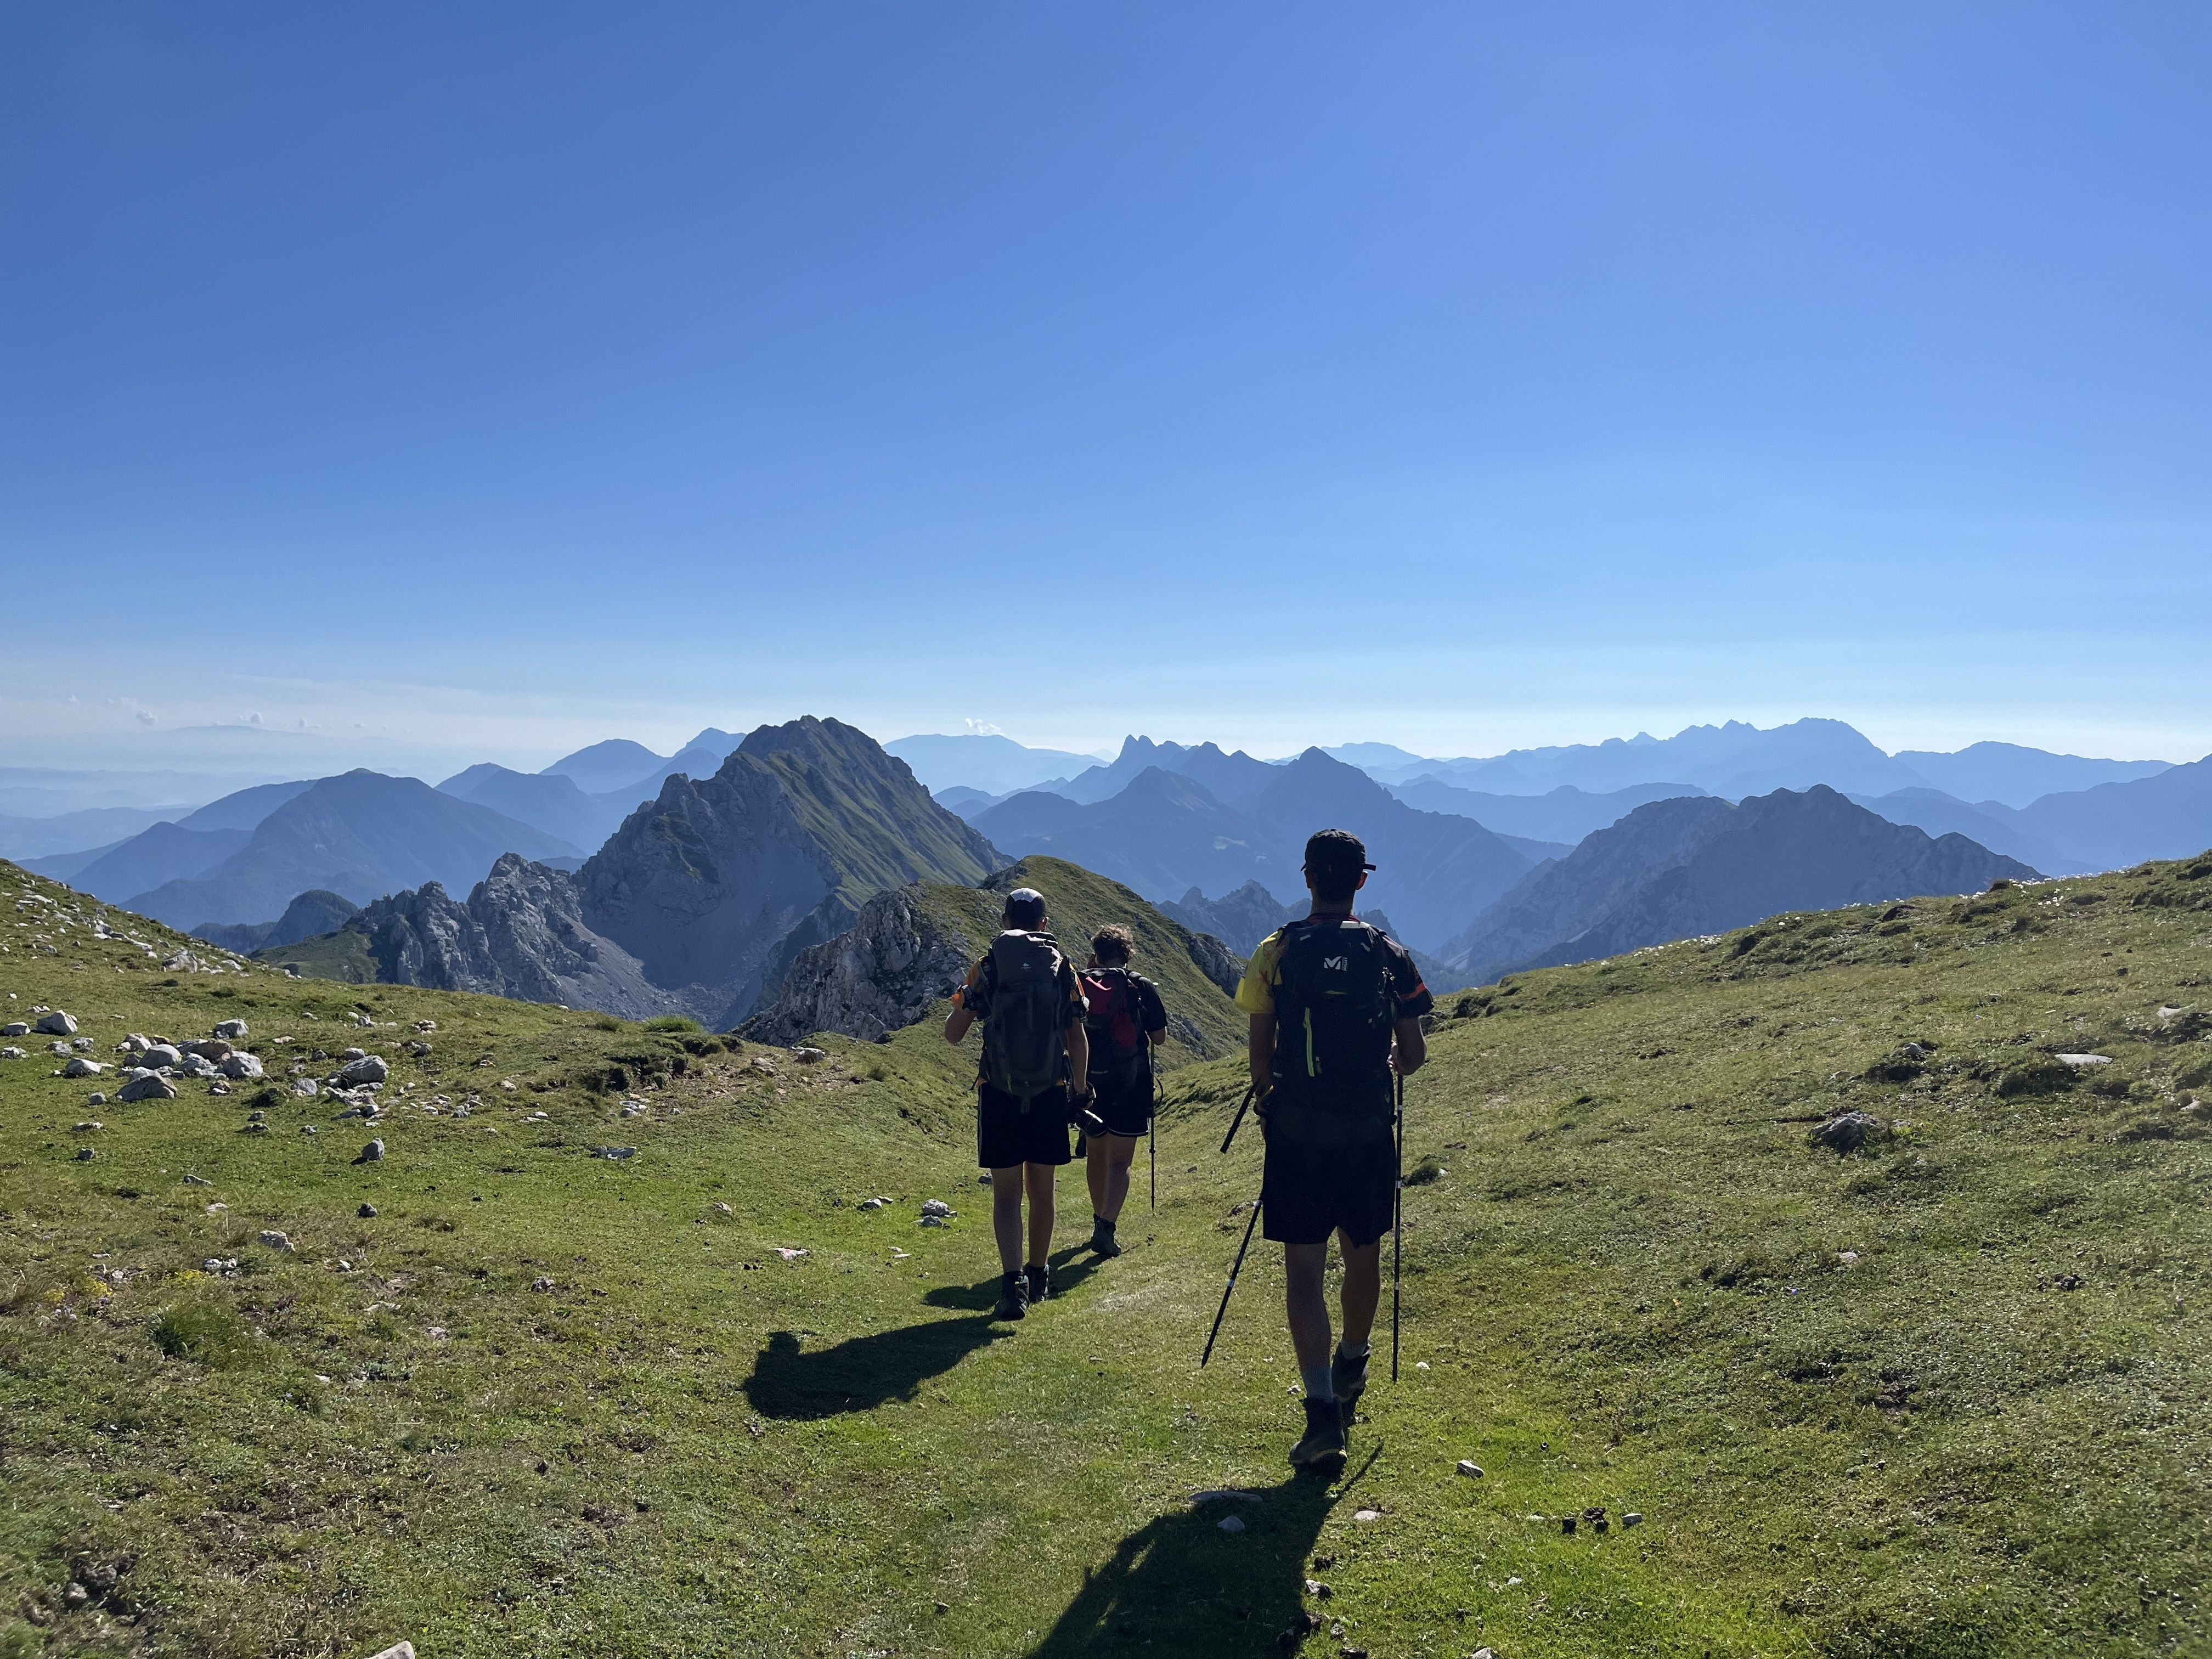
x=1128, y=1113
x=1007, y=1135
x=1307, y=1193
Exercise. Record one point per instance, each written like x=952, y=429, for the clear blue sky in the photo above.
x=488, y=379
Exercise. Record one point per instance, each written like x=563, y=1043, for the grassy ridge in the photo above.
x=1942, y=1396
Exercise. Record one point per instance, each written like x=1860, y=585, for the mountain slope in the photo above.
x=1239, y=918
x=550, y=801
x=318, y=911
x=2017, y=776
x=361, y=835
x=1230, y=778
x=1734, y=759
x=2168, y=814
x=1992, y=824
x=1565, y=814
x=909, y=948
x=614, y=764
x=162, y=853
x=1679, y=868
x=987, y=763
x=1162, y=832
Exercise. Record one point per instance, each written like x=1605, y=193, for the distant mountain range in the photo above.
x=1692, y=865
x=985, y=761
x=700, y=899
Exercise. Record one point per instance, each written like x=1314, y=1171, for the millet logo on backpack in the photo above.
x=1338, y=962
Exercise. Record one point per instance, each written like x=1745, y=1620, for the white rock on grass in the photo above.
x=936, y=1207
x=11, y=1053
x=275, y=1240
x=151, y=1085
x=15, y=1028
x=368, y=1068
x=57, y=1024
x=156, y=1055
x=82, y=1067
x=2084, y=1062
x=396, y=1650
x=232, y=1029
x=242, y=1066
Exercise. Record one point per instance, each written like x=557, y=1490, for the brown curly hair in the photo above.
x=1113, y=945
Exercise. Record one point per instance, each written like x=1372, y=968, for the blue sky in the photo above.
x=479, y=381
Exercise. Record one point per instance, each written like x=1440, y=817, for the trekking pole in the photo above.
x=1229, y=1289
x=1235, y=1121
x=1398, y=1228
x=1153, y=1132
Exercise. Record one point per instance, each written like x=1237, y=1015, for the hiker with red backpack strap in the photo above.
x=1336, y=1010
x=1035, y=1058
x=1126, y=1021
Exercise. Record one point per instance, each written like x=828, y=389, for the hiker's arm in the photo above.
x=1261, y=1044
x=957, y=1022
x=1158, y=1037
x=1409, y=1048
x=1079, y=1059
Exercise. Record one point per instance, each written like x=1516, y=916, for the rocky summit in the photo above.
x=698, y=902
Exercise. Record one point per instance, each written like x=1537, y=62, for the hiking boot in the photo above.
x=1039, y=1275
x=1348, y=1376
x=1013, y=1296
x=1322, y=1451
x=1102, y=1242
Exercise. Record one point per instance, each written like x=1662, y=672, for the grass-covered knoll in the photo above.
x=1942, y=1396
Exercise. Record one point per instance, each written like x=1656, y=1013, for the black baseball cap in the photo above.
x=1338, y=852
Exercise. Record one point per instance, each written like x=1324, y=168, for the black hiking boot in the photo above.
x=1039, y=1274
x=1013, y=1296
x=1322, y=1451
x=1348, y=1376
x=1102, y=1242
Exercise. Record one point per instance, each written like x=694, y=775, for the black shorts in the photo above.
x=1007, y=1135
x=1307, y=1193
x=1128, y=1112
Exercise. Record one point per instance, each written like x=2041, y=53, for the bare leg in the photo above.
x=1109, y=1160
x=1360, y=1294
x=1007, y=1216
x=1304, y=1269
x=1039, y=1179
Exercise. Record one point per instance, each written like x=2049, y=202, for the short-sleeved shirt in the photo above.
x=1255, y=992
x=1152, y=1012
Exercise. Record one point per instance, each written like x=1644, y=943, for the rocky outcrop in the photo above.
x=884, y=974
x=520, y=934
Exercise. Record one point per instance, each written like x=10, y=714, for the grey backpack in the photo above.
x=1024, y=1034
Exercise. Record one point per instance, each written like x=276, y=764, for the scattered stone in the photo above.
x=210, y=1048
x=1470, y=1468
x=241, y=1065
x=309, y=1129
x=541, y=1283
x=932, y=1221
x=614, y=1151
x=2066, y=1281
x=808, y=1056
x=1847, y=1256
x=1230, y=1523
x=304, y=1087
x=218, y=1087
x=936, y=1207
x=1633, y=1518
x=721, y=1208
x=426, y=1024
x=156, y=1055
x=2079, y=1063
x=147, y=1085
x=13, y=1053
x=372, y=1153
x=89, y=1127
x=1315, y=1588
x=232, y=1029
x=788, y=1253
x=633, y=1111
x=1848, y=1132
x=81, y=1066
x=57, y=1024
x=1364, y=1515
x=275, y=1239
x=84, y=1154
x=396, y=1650
x=15, y=1028
x=872, y=1203
x=362, y=1069
x=96, y=1099
x=367, y=1212
x=197, y=1181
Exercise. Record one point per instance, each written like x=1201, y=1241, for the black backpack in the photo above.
x=1121, y=1054
x=1024, y=1032
x=1335, y=1010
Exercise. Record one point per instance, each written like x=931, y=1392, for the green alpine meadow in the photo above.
x=1838, y=1287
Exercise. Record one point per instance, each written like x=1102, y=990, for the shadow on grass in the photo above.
x=1068, y=1272
x=1182, y=1585
x=861, y=1374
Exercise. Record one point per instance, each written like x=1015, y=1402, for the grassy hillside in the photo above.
x=1943, y=1396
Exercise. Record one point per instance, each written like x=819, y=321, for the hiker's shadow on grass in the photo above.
x=1181, y=1584
x=1067, y=1274
x=790, y=1381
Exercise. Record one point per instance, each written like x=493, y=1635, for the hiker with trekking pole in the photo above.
x=1126, y=1021
x=1335, y=1009
x=1034, y=1075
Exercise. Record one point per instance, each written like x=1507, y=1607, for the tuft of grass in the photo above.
x=672, y=1023
x=206, y=1333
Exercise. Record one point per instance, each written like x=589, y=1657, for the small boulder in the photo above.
x=936, y=1207
x=871, y=1203
x=1470, y=1468
x=81, y=1066
x=84, y=1154
x=275, y=1239
x=11, y=1052
x=396, y=1650
x=1230, y=1523
x=541, y=1283
x=15, y=1028
x=156, y=1055
x=147, y=1085
x=367, y=1068
x=241, y=1065
x=57, y=1023
x=96, y=1099
x=232, y=1029
x=372, y=1153
x=1848, y=1131
x=808, y=1056
x=90, y=1126
x=367, y=1212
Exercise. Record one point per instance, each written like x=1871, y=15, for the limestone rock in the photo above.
x=57, y=1024
x=1848, y=1131
x=156, y=1055
x=235, y=1030
x=372, y=1153
x=147, y=1085
x=81, y=1066
x=15, y=1028
x=369, y=1068
x=242, y=1066
x=889, y=970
